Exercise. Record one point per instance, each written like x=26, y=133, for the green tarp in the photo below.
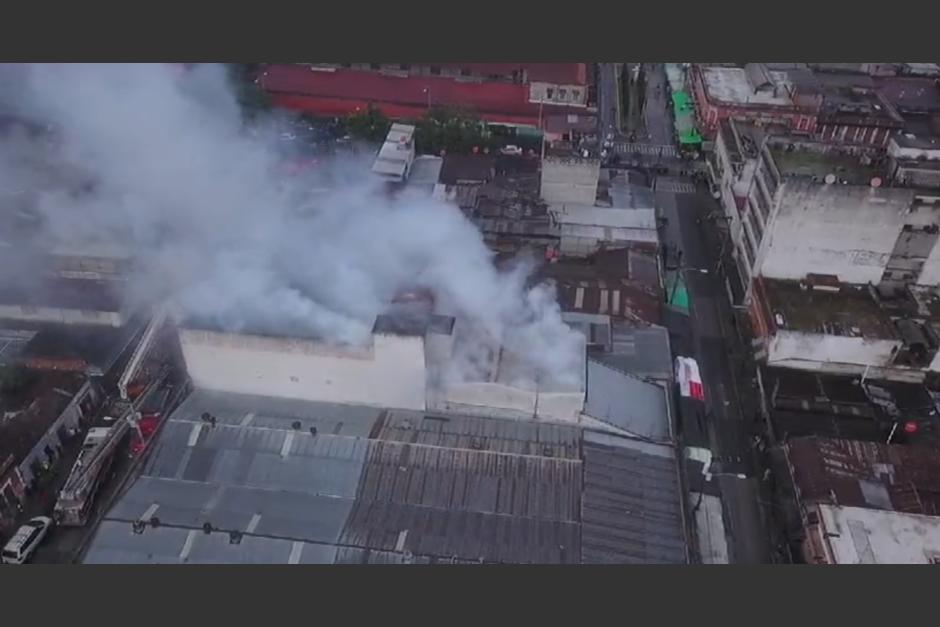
x=677, y=295
x=681, y=101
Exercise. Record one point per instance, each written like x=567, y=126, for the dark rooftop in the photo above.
x=97, y=347
x=866, y=474
x=297, y=482
x=856, y=105
x=23, y=424
x=408, y=323
x=851, y=311
x=911, y=95
x=79, y=294
x=806, y=403
x=622, y=282
x=458, y=169
x=856, y=170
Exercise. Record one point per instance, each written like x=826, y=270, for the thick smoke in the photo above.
x=219, y=228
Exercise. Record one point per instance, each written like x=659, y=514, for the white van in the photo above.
x=26, y=539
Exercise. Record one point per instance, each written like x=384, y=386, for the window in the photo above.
x=562, y=94
x=374, y=66
x=435, y=70
x=405, y=66
x=576, y=94
x=549, y=93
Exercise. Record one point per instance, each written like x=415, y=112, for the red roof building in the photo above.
x=501, y=93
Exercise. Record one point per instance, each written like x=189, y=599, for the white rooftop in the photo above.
x=397, y=152
x=730, y=84
x=869, y=536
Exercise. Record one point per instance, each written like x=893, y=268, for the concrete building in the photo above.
x=32, y=436
x=397, y=153
x=517, y=95
x=65, y=301
x=861, y=502
x=390, y=371
x=792, y=212
x=825, y=326
x=802, y=404
x=585, y=229
x=402, y=367
x=754, y=93
x=855, y=535
x=915, y=161
x=827, y=108
x=570, y=180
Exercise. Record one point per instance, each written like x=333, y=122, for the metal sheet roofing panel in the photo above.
x=630, y=511
x=626, y=402
x=388, y=487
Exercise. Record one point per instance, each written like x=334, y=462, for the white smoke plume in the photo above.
x=220, y=229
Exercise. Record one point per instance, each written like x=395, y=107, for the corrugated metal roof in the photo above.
x=626, y=402
x=866, y=474
x=629, y=513
x=370, y=486
x=641, y=351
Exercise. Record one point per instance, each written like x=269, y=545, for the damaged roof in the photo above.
x=21, y=428
x=621, y=282
x=866, y=474
x=278, y=481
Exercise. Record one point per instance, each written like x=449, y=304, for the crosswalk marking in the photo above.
x=626, y=148
x=674, y=186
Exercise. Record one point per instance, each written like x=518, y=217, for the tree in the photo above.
x=451, y=129
x=15, y=380
x=371, y=124
x=252, y=98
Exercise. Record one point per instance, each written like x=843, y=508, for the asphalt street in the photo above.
x=608, y=113
x=725, y=423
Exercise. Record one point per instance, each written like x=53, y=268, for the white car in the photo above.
x=511, y=150
x=26, y=539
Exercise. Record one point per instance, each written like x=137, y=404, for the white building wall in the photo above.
x=930, y=274
x=856, y=535
x=503, y=401
x=571, y=95
x=848, y=233
x=391, y=373
x=65, y=316
x=831, y=350
x=490, y=397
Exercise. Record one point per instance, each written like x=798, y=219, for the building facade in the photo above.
x=512, y=94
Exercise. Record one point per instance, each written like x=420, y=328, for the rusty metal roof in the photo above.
x=866, y=474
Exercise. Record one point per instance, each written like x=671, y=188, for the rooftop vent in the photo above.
x=235, y=537
x=207, y=528
x=296, y=425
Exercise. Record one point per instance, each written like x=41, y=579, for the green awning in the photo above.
x=681, y=101
x=677, y=295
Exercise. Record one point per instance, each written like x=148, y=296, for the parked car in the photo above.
x=26, y=539
x=511, y=150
